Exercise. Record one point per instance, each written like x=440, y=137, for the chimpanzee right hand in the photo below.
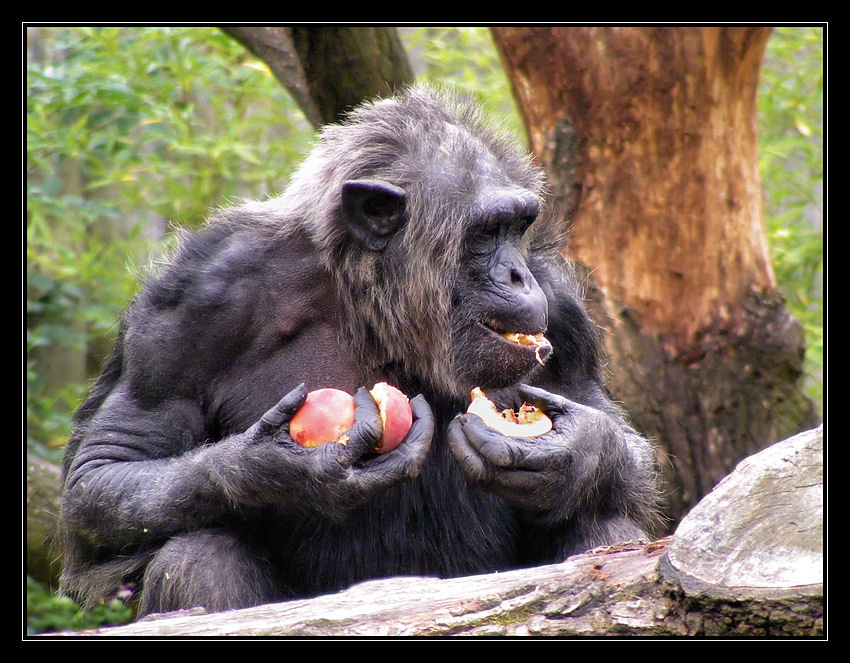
x=333, y=478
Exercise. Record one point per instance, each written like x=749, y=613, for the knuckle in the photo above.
x=499, y=453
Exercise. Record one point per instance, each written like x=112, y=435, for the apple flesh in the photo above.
x=539, y=341
x=326, y=416
x=528, y=422
x=396, y=415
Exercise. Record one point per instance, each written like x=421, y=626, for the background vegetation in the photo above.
x=791, y=165
x=135, y=132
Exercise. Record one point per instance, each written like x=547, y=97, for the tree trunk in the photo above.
x=649, y=138
x=329, y=70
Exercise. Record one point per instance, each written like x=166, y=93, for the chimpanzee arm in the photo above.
x=129, y=483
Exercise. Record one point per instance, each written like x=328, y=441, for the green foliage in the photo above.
x=48, y=613
x=466, y=59
x=129, y=130
x=791, y=166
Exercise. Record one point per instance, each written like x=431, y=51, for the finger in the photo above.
x=282, y=411
x=545, y=400
x=367, y=429
x=422, y=410
x=528, y=453
x=493, y=446
x=464, y=453
x=414, y=449
x=407, y=459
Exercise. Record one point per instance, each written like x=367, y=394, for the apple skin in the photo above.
x=396, y=415
x=535, y=422
x=325, y=417
x=327, y=414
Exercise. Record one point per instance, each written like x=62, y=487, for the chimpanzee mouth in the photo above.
x=535, y=343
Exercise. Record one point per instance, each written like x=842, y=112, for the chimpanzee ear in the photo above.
x=373, y=210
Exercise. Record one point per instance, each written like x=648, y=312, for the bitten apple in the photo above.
x=327, y=414
x=325, y=417
x=396, y=415
x=528, y=422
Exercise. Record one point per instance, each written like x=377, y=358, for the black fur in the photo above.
x=400, y=245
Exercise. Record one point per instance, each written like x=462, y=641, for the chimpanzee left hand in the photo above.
x=548, y=476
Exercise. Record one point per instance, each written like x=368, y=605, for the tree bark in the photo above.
x=330, y=70
x=649, y=139
x=748, y=561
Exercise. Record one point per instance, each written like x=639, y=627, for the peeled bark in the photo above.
x=649, y=137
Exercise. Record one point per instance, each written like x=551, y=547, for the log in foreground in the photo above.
x=747, y=561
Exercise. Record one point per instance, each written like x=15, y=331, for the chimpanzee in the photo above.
x=404, y=248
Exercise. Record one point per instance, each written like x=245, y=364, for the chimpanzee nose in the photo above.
x=517, y=285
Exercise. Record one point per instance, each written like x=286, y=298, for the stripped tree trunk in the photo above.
x=649, y=137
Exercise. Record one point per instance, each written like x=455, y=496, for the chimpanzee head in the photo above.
x=422, y=211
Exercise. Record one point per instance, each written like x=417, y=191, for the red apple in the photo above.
x=528, y=422
x=325, y=416
x=396, y=415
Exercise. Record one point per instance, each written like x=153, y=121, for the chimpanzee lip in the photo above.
x=527, y=341
x=532, y=343
x=500, y=329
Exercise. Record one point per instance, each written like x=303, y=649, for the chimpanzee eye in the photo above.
x=481, y=243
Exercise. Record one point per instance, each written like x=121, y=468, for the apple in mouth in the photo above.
x=536, y=343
